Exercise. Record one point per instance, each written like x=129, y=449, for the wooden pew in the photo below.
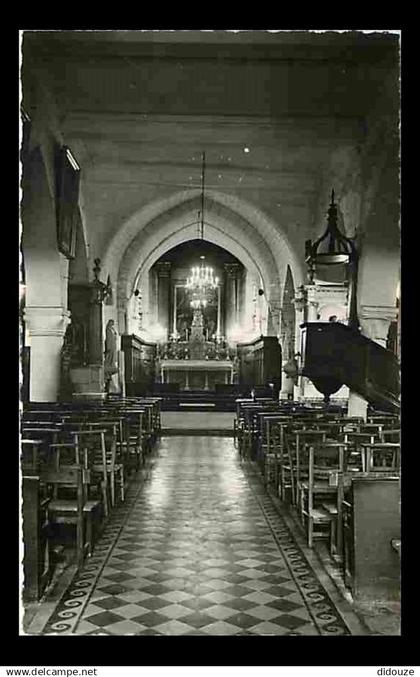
x=371, y=521
x=37, y=560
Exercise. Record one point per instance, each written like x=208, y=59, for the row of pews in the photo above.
x=341, y=478
x=76, y=462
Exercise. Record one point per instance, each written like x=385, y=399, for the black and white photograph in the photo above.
x=210, y=333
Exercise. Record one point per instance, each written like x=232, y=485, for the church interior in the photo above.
x=210, y=333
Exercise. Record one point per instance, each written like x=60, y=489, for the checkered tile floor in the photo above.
x=195, y=556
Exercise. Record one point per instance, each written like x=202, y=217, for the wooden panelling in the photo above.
x=260, y=362
x=371, y=521
x=139, y=363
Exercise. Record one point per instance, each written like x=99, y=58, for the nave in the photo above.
x=199, y=548
x=210, y=230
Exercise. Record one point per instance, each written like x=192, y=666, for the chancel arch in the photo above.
x=233, y=224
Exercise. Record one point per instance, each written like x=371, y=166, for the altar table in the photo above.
x=196, y=374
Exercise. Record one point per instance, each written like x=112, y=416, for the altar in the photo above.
x=196, y=374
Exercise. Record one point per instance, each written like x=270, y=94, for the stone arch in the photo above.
x=182, y=227
x=230, y=222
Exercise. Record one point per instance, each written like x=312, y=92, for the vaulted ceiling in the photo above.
x=269, y=109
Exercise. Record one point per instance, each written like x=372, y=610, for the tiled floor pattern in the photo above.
x=199, y=549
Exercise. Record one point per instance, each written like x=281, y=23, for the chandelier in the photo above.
x=202, y=279
x=198, y=303
x=200, y=283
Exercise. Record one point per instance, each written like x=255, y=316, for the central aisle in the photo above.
x=198, y=549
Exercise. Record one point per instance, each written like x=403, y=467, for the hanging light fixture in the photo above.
x=333, y=247
x=202, y=279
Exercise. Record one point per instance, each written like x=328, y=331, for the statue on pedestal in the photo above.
x=111, y=354
x=73, y=354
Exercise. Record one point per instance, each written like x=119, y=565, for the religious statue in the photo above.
x=111, y=353
x=291, y=368
x=74, y=343
x=73, y=354
x=211, y=329
x=66, y=354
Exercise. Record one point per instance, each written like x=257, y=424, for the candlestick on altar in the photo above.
x=174, y=318
x=219, y=313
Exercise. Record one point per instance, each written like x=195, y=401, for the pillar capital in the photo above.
x=375, y=320
x=46, y=320
x=46, y=326
x=376, y=312
x=311, y=294
x=299, y=303
x=163, y=268
x=231, y=269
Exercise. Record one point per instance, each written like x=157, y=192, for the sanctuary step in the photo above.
x=202, y=400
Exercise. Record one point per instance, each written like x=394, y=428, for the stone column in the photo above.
x=241, y=296
x=357, y=405
x=153, y=299
x=300, y=305
x=45, y=328
x=312, y=303
x=219, y=312
x=174, y=311
x=375, y=320
x=164, y=273
x=231, y=295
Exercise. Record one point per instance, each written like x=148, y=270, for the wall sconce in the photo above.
x=101, y=292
